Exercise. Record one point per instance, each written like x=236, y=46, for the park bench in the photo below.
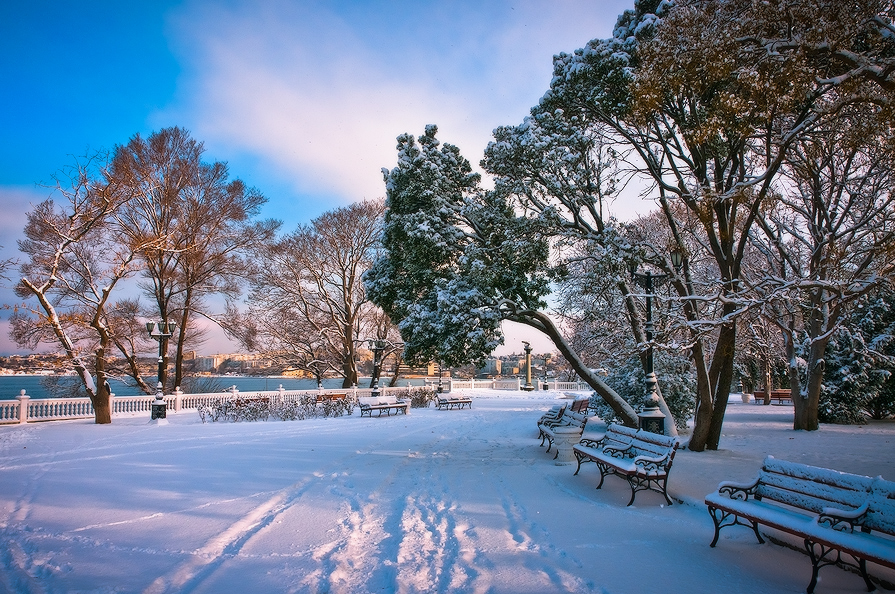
x=644, y=459
x=568, y=420
x=382, y=403
x=580, y=405
x=553, y=414
x=449, y=402
x=782, y=396
x=832, y=512
x=333, y=396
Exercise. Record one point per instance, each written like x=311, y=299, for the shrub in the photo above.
x=262, y=409
x=675, y=379
x=421, y=397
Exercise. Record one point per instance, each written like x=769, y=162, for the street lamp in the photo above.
x=648, y=280
x=546, y=363
x=440, y=385
x=378, y=345
x=527, y=387
x=160, y=332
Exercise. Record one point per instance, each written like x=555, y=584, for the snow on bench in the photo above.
x=568, y=420
x=834, y=512
x=382, y=403
x=642, y=458
x=449, y=402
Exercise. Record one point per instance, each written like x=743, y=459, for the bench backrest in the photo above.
x=574, y=419
x=618, y=436
x=580, y=406
x=881, y=507
x=654, y=445
x=554, y=413
x=810, y=487
x=374, y=400
x=322, y=397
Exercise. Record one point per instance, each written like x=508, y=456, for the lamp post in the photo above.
x=527, y=387
x=440, y=385
x=377, y=346
x=160, y=332
x=546, y=363
x=648, y=280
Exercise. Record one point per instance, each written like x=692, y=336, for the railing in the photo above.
x=25, y=409
x=514, y=384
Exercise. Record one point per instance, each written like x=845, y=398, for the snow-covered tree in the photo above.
x=308, y=307
x=829, y=240
x=859, y=361
x=458, y=261
x=704, y=98
x=200, y=225
x=77, y=257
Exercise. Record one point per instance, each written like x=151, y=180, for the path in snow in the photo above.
x=438, y=501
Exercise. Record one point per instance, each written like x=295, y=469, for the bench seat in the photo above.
x=833, y=512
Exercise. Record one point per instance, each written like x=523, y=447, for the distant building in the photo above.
x=492, y=366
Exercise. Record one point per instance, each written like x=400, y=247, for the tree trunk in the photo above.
x=181, y=341
x=542, y=322
x=806, y=401
x=723, y=357
x=349, y=370
x=101, y=397
x=704, y=400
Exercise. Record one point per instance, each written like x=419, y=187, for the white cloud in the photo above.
x=318, y=92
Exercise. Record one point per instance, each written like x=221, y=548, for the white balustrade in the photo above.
x=25, y=409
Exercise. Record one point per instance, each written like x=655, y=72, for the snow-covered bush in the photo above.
x=859, y=363
x=420, y=397
x=676, y=381
x=262, y=409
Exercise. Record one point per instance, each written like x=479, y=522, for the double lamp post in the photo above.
x=161, y=332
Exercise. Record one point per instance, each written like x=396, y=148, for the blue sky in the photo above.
x=303, y=99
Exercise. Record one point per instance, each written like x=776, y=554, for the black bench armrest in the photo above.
x=651, y=463
x=741, y=491
x=841, y=519
x=591, y=442
x=616, y=451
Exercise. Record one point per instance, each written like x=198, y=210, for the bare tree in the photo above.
x=829, y=240
x=78, y=255
x=308, y=302
x=198, y=222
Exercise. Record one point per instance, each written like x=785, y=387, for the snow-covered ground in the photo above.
x=437, y=501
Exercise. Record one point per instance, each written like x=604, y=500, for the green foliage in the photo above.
x=676, y=381
x=457, y=261
x=859, y=363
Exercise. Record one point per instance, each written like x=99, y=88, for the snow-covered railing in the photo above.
x=570, y=386
x=515, y=384
x=25, y=409
x=471, y=384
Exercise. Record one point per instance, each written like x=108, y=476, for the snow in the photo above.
x=435, y=501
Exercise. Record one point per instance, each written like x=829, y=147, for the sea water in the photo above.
x=35, y=386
